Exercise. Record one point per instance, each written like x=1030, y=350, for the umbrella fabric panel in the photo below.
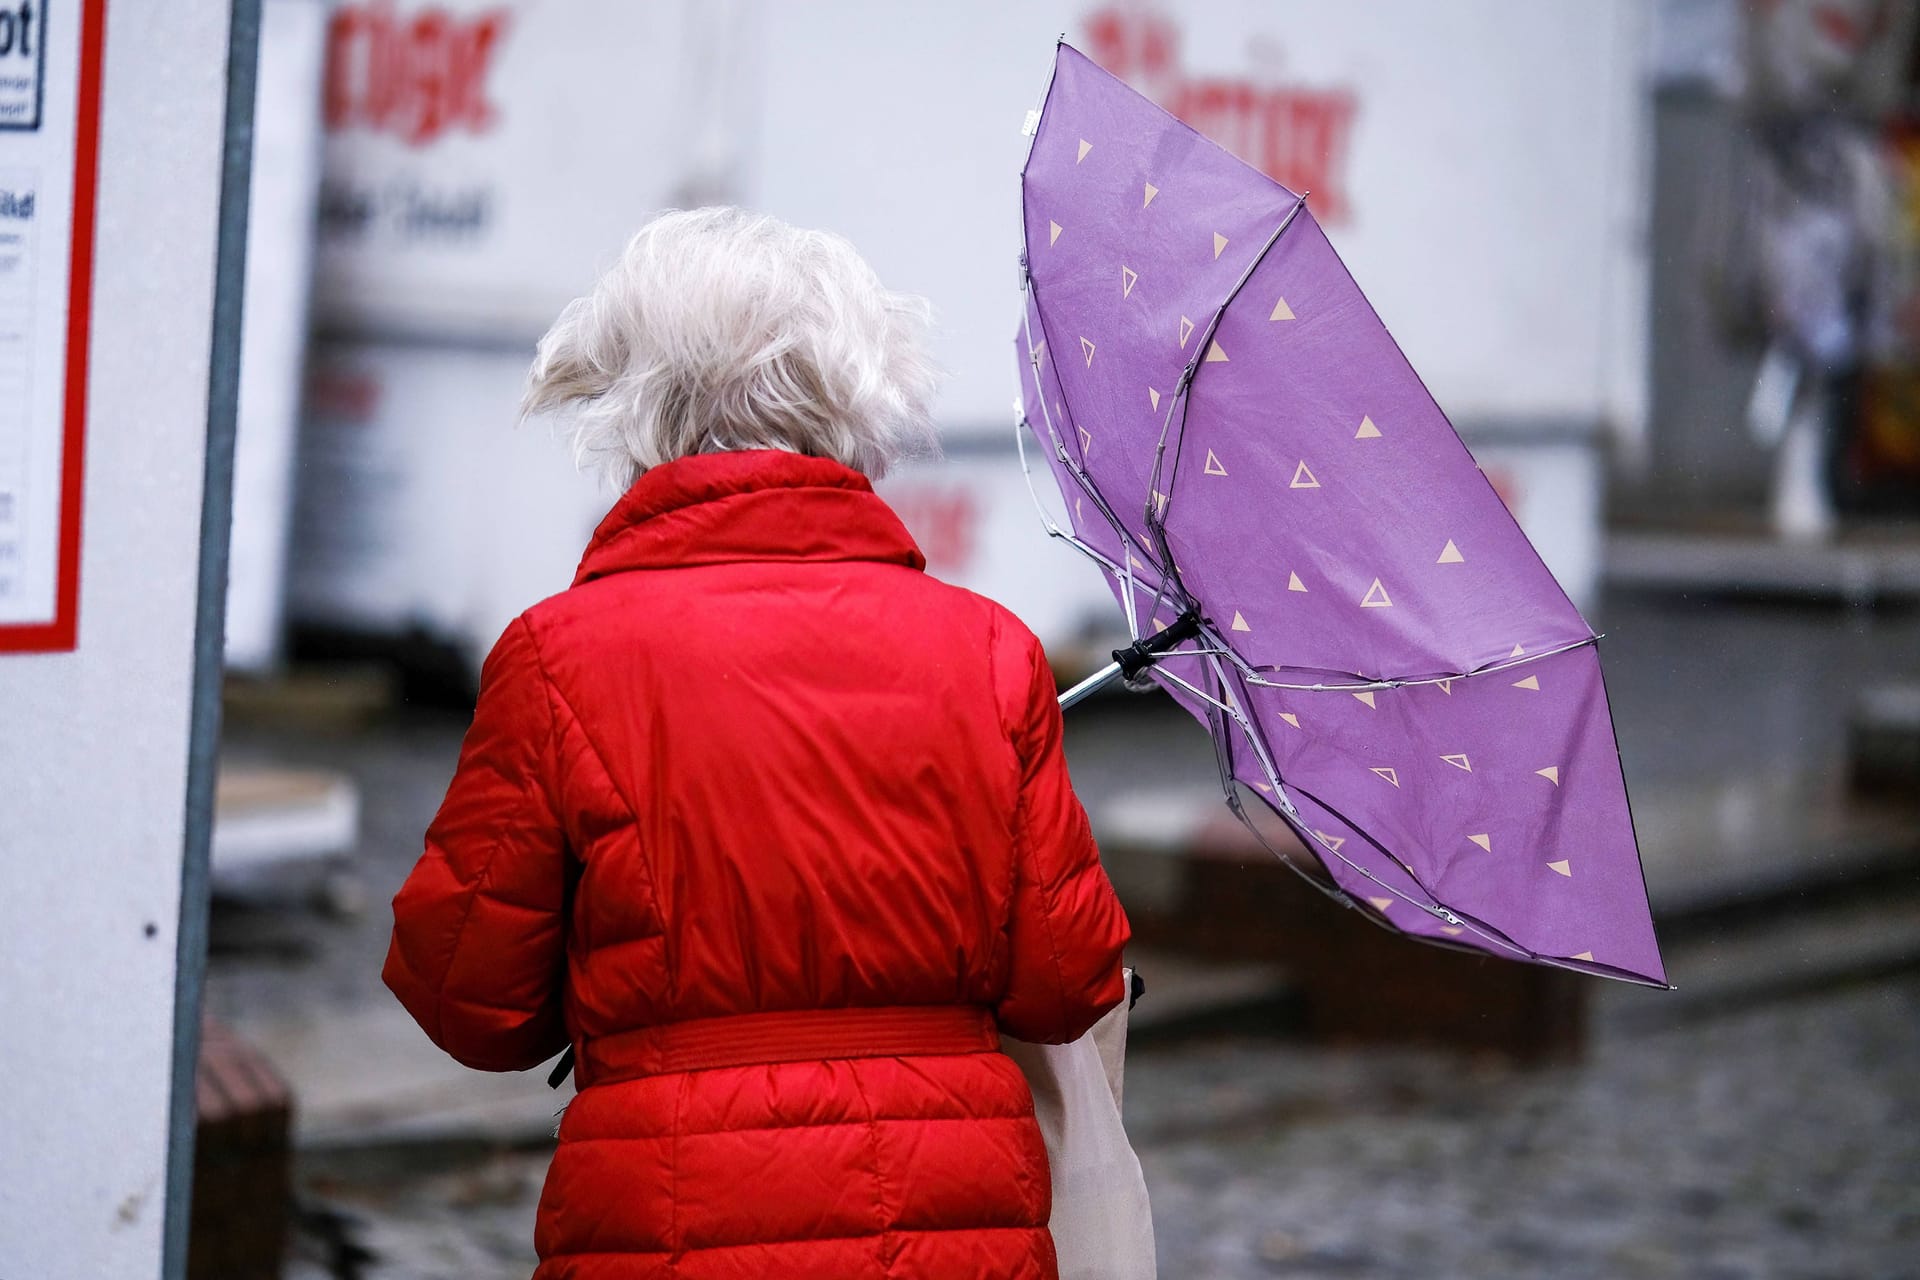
x=1124, y=284
x=1501, y=791
x=1236, y=433
x=1044, y=410
x=1319, y=495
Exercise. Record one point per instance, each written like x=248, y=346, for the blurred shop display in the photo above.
x=1807, y=239
x=282, y=833
x=273, y=325
x=482, y=160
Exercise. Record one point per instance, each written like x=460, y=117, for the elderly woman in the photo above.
x=769, y=826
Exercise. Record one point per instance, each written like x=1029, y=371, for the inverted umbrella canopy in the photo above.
x=1382, y=657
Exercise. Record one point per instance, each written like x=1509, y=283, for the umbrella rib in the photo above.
x=1291, y=814
x=1124, y=572
x=1285, y=807
x=1396, y=682
x=1438, y=908
x=1156, y=521
x=1081, y=478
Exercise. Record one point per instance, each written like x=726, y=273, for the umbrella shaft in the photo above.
x=1091, y=685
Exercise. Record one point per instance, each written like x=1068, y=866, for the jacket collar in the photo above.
x=750, y=504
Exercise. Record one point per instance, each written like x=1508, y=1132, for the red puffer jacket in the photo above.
x=775, y=830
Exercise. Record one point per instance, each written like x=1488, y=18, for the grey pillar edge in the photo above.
x=209, y=641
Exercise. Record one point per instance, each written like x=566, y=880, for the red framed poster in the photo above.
x=49, y=153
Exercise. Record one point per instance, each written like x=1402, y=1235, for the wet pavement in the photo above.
x=1744, y=1132
x=1782, y=1142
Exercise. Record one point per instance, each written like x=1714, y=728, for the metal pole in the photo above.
x=1136, y=657
x=1091, y=685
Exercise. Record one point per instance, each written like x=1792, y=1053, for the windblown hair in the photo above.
x=719, y=329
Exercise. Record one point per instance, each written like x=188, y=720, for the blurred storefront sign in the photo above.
x=483, y=159
x=1296, y=135
x=1476, y=163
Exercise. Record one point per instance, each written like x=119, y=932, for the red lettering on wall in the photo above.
x=342, y=394
x=944, y=521
x=419, y=75
x=1296, y=136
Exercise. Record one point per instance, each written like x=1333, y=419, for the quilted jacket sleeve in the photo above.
x=479, y=937
x=1068, y=927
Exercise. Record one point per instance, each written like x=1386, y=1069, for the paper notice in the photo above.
x=49, y=107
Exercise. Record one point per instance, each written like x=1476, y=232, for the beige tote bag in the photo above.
x=1102, y=1225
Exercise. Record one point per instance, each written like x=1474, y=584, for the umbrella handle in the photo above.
x=1135, y=658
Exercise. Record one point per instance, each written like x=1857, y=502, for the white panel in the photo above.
x=93, y=744
x=273, y=326
x=422, y=503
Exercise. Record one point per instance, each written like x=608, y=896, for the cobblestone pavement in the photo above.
x=1771, y=1140
x=1780, y=1142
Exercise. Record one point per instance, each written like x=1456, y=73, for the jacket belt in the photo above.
x=800, y=1035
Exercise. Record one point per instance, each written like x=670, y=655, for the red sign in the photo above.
x=944, y=519
x=1296, y=136
x=59, y=633
x=417, y=75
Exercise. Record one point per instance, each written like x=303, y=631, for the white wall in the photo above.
x=1493, y=168
x=1491, y=178
x=94, y=743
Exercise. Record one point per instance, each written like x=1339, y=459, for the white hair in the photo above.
x=719, y=329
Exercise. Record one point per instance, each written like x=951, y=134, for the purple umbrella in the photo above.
x=1308, y=558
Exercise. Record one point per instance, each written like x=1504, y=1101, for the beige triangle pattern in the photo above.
x=1450, y=554
x=1087, y=347
x=1152, y=191
x=1294, y=583
x=1154, y=396
x=1388, y=774
x=1213, y=465
x=1128, y=278
x=1551, y=773
x=1219, y=243
x=1366, y=697
x=1053, y=232
x=1332, y=842
x=1240, y=623
x=1376, y=597
x=1086, y=441
x=1281, y=311
x=1303, y=478
x=1484, y=840
x=1215, y=355
x=1582, y=955
x=1381, y=903
x=1459, y=762
x=1446, y=687
x=1186, y=331
x=1085, y=147
x=1290, y=718
x=1367, y=430
x=1564, y=867
x=1531, y=682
